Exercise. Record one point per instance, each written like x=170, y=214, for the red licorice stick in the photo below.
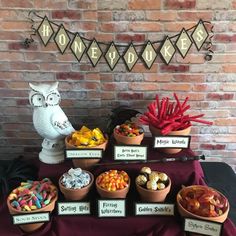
x=158, y=106
x=152, y=108
x=202, y=121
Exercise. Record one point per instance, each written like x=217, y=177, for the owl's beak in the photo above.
x=45, y=104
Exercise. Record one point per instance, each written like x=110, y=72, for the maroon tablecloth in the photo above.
x=181, y=173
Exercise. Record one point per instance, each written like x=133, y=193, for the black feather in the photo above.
x=119, y=116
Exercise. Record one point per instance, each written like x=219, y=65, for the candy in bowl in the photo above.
x=76, y=184
x=202, y=202
x=152, y=186
x=113, y=184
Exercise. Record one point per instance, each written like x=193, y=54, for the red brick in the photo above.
x=191, y=78
x=106, y=77
x=141, y=68
x=180, y=4
x=143, y=86
x=22, y=102
x=130, y=37
x=229, y=68
x=104, y=16
x=113, y=27
x=174, y=68
x=145, y=26
x=69, y=76
x=21, y=66
x=55, y=67
x=144, y=4
x=15, y=25
x=20, y=45
x=16, y=3
x=225, y=38
x=48, y=4
x=220, y=96
x=176, y=87
x=225, y=121
x=90, y=15
x=161, y=16
x=153, y=77
x=177, y=26
x=127, y=96
x=212, y=146
x=204, y=87
x=190, y=16
x=66, y=14
x=107, y=95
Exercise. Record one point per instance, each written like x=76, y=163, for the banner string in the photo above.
x=28, y=41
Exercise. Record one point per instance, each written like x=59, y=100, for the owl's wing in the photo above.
x=61, y=123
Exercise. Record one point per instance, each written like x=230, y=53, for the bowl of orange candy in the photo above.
x=86, y=138
x=113, y=184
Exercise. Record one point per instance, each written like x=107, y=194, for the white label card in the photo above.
x=171, y=142
x=73, y=208
x=153, y=209
x=202, y=227
x=84, y=153
x=130, y=152
x=30, y=218
x=112, y=208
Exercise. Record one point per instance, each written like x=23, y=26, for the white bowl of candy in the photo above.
x=76, y=184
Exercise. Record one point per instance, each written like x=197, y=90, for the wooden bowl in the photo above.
x=156, y=132
x=147, y=195
x=112, y=194
x=86, y=163
x=185, y=213
x=76, y=194
x=34, y=226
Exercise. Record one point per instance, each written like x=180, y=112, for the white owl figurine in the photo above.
x=49, y=121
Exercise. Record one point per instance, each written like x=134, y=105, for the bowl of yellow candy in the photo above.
x=86, y=138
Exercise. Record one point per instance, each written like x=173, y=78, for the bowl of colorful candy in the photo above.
x=128, y=133
x=152, y=186
x=86, y=138
x=32, y=197
x=113, y=184
x=202, y=202
x=76, y=183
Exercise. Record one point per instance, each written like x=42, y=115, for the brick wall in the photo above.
x=90, y=93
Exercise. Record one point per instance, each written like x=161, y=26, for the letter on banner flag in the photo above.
x=62, y=39
x=78, y=47
x=45, y=31
x=183, y=43
x=199, y=35
x=130, y=57
x=167, y=50
x=112, y=56
x=94, y=52
x=149, y=54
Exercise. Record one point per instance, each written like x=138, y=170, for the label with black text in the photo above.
x=73, y=208
x=84, y=153
x=202, y=227
x=172, y=141
x=130, y=153
x=153, y=209
x=30, y=218
x=111, y=208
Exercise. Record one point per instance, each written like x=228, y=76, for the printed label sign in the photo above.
x=202, y=227
x=111, y=208
x=30, y=218
x=171, y=142
x=73, y=208
x=84, y=153
x=130, y=152
x=149, y=209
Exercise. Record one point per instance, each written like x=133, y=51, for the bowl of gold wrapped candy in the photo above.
x=152, y=186
x=86, y=138
x=32, y=197
x=113, y=184
x=202, y=202
x=76, y=183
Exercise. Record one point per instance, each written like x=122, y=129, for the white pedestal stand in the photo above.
x=52, y=151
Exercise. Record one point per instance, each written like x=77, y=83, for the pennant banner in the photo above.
x=94, y=50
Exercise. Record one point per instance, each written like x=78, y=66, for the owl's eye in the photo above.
x=53, y=99
x=37, y=100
